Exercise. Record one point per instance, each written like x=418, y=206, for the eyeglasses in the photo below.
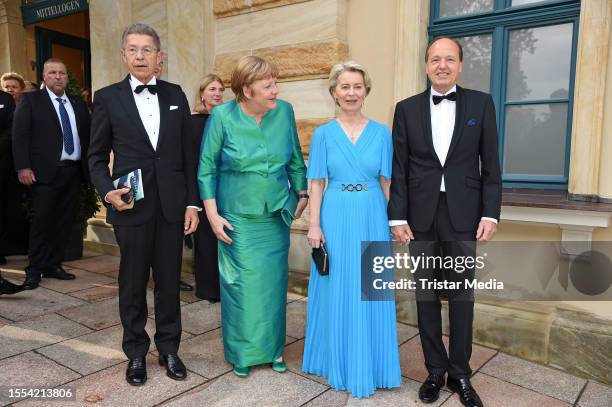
x=146, y=51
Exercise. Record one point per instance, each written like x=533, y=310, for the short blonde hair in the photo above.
x=348, y=66
x=12, y=76
x=207, y=80
x=249, y=69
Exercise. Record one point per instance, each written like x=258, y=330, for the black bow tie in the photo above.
x=437, y=99
x=152, y=88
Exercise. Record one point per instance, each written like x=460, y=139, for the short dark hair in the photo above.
x=432, y=42
x=142, y=29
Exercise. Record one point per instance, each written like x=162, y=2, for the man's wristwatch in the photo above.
x=303, y=195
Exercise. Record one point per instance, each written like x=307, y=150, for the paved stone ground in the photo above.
x=68, y=334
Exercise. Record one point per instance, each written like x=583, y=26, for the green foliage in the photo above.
x=73, y=87
x=87, y=204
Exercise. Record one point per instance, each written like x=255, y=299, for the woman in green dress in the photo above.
x=252, y=180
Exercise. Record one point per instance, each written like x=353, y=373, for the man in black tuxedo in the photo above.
x=13, y=219
x=50, y=139
x=7, y=106
x=445, y=195
x=145, y=122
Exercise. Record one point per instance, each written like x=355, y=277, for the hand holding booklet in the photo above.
x=133, y=181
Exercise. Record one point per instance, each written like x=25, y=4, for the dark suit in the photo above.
x=6, y=120
x=150, y=234
x=473, y=190
x=13, y=240
x=205, y=253
x=38, y=144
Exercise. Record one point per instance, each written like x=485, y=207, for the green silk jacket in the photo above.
x=247, y=168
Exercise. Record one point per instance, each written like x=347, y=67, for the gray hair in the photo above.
x=348, y=66
x=142, y=29
x=53, y=61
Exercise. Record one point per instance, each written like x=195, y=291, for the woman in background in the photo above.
x=13, y=84
x=206, y=265
x=352, y=342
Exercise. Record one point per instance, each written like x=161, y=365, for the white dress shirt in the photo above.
x=442, y=127
x=148, y=109
x=76, y=154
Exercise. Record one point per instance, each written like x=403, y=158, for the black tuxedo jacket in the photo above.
x=168, y=172
x=7, y=107
x=471, y=170
x=38, y=138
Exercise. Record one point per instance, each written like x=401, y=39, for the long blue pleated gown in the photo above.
x=351, y=342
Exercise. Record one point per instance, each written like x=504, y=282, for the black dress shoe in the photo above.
x=32, y=279
x=59, y=273
x=136, y=373
x=467, y=394
x=2, y=260
x=430, y=389
x=6, y=287
x=175, y=369
x=184, y=286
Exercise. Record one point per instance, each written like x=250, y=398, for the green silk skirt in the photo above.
x=253, y=276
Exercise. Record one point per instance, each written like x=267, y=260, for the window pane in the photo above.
x=476, y=73
x=521, y=2
x=535, y=139
x=539, y=62
x=449, y=8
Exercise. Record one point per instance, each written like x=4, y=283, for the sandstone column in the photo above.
x=589, y=94
x=13, y=38
x=107, y=19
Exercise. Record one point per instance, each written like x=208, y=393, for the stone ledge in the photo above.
x=555, y=216
x=580, y=344
x=226, y=8
x=100, y=247
x=308, y=60
x=553, y=199
x=310, y=98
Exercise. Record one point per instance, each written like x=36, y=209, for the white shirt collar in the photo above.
x=434, y=92
x=135, y=82
x=53, y=96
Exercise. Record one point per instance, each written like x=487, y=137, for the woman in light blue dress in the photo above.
x=351, y=342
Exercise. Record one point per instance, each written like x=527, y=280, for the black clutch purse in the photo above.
x=321, y=259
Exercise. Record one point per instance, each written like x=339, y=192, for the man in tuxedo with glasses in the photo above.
x=145, y=122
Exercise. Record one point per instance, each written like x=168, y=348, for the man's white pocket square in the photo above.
x=173, y=107
x=1, y=106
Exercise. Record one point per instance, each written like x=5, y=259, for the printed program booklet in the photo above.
x=131, y=180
